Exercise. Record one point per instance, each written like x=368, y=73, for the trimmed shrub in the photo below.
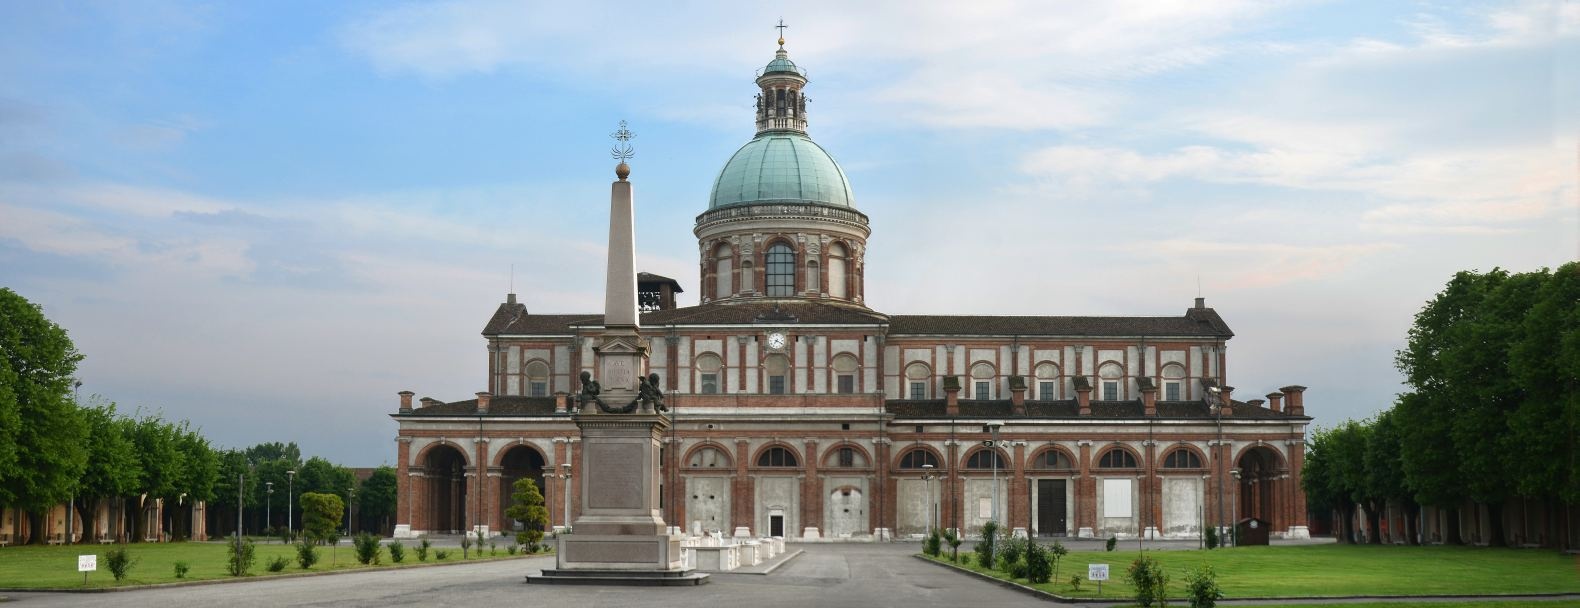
x=466, y=543
x=182, y=568
x=934, y=544
x=511, y=549
x=1212, y=538
x=492, y=549
x=984, y=547
x=284, y=535
x=1150, y=581
x=119, y=560
x=954, y=544
x=1112, y=542
x=397, y=551
x=306, y=554
x=1201, y=587
x=1039, y=568
x=1075, y=582
x=1011, y=549
x=1015, y=569
x=367, y=546
x=242, y=554
x=278, y=563
x=440, y=555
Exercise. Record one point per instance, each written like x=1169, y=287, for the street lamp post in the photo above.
x=927, y=487
x=1234, y=507
x=349, y=493
x=993, y=430
x=290, y=504
x=1217, y=409
x=567, y=492
x=268, y=505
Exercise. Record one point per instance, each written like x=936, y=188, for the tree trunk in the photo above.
x=1412, y=523
x=1452, y=518
x=90, y=522
x=35, y=528
x=1374, y=530
x=1495, y=536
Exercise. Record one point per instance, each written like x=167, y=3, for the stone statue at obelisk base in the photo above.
x=620, y=537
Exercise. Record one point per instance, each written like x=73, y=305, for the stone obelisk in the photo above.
x=620, y=537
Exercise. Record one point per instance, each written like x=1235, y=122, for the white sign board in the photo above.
x=1116, y=497
x=1097, y=572
x=87, y=563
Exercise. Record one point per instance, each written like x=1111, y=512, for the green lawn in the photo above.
x=1336, y=570
x=51, y=567
x=1493, y=604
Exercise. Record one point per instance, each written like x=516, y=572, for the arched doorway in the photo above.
x=1260, y=472
x=445, y=467
x=519, y=462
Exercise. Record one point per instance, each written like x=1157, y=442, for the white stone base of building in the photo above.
x=1084, y=533
x=811, y=533
x=1298, y=532
x=482, y=530
x=1151, y=533
x=882, y=535
x=404, y=531
x=1018, y=533
x=742, y=532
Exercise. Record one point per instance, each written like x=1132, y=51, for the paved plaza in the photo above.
x=857, y=574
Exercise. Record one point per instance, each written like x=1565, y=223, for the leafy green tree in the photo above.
x=265, y=452
x=42, y=433
x=321, y=514
x=1546, y=362
x=378, y=499
x=161, y=462
x=232, y=464
x=112, y=468
x=526, y=506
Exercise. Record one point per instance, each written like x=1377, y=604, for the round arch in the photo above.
x=800, y=459
x=938, y=457
x=520, y=460
x=1068, y=455
x=833, y=452
x=1002, y=454
x=1261, y=484
x=1184, y=447
x=729, y=460
x=421, y=456
x=1141, y=463
x=447, y=486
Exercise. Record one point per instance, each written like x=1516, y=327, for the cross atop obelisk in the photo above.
x=620, y=289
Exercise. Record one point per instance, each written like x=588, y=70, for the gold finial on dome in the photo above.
x=781, y=28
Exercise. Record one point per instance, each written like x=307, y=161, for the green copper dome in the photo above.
x=781, y=167
x=781, y=64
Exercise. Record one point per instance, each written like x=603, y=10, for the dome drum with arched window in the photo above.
x=781, y=219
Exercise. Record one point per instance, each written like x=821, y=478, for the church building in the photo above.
x=798, y=411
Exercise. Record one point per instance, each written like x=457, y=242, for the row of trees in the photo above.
x=1493, y=410
x=54, y=450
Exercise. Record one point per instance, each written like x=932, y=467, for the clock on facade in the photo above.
x=776, y=340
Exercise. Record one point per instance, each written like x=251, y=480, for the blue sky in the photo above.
x=268, y=218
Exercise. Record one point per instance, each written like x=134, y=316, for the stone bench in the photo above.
x=715, y=559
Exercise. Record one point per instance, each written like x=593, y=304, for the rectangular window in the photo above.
x=710, y=384
x=1171, y=391
x=847, y=457
x=847, y=384
x=539, y=389
x=983, y=392
x=918, y=390
x=776, y=385
x=1046, y=392
x=1110, y=391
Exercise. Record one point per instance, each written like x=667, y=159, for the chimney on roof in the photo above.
x=1201, y=303
x=952, y=395
x=1228, y=400
x=482, y=401
x=1275, y=402
x=1149, y=398
x=1017, y=394
x=510, y=298
x=1297, y=399
x=405, y=401
x=429, y=401
x=1255, y=403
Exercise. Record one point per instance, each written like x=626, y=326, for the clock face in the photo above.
x=776, y=340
